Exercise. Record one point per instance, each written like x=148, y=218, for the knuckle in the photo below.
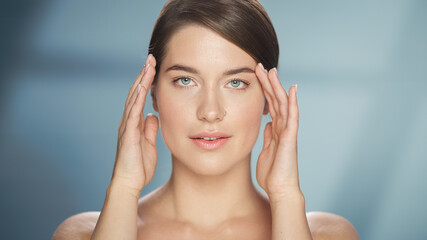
x=143, y=90
x=283, y=111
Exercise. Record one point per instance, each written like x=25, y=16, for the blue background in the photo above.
x=361, y=68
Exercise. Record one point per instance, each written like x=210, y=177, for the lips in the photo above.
x=210, y=141
x=210, y=135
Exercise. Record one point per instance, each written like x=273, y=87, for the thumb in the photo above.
x=267, y=135
x=151, y=127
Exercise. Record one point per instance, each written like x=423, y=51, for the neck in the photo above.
x=210, y=200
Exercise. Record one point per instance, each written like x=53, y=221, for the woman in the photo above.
x=206, y=72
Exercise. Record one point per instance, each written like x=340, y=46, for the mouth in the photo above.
x=210, y=144
x=210, y=141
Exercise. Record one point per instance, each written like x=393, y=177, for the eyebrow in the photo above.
x=179, y=67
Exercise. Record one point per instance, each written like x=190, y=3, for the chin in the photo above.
x=208, y=165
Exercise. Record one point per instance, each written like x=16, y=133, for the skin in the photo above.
x=210, y=194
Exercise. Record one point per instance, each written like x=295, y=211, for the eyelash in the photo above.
x=175, y=81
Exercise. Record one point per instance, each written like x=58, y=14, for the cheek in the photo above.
x=247, y=116
x=171, y=116
x=249, y=107
x=176, y=115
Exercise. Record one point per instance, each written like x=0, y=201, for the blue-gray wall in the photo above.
x=66, y=67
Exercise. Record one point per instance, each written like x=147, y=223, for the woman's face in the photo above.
x=209, y=100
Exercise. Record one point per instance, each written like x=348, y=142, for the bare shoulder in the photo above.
x=330, y=226
x=76, y=227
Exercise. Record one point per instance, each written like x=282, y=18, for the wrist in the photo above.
x=121, y=189
x=288, y=196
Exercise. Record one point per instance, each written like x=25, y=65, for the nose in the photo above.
x=210, y=107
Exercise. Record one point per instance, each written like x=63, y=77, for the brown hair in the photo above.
x=242, y=22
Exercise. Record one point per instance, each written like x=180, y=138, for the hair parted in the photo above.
x=245, y=23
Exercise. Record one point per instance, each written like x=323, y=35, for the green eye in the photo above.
x=185, y=81
x=235, y=83
x=238, y=84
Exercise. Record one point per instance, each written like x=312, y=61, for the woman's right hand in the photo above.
x=136, y=156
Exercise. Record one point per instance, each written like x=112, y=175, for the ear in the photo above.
x=265, y=111
x=153, y=97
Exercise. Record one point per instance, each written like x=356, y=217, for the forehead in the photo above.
x=201, y=47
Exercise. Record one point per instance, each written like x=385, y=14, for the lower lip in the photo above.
x=210, y=145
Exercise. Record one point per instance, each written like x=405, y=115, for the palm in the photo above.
x=136, y=159
x=276, y=162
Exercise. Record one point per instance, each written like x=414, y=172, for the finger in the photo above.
x=127, y=109
x=265, y=159
x=267, y=88
x=132, y=101
x=135, y=113
x=148, y=61
x=281, y=96
x=293, y=117
x=132, y=89
x=267, y=136
x=147, y=79
x=151, y=127
x=136, y=110
x=135, y=85
x=150, y=72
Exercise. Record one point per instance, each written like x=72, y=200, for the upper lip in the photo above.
x=210, y=135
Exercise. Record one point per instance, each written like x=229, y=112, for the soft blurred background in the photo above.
x=361, y=67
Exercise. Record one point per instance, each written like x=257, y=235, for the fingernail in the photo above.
x=148, y=59
x=275, y=71
x=296, y=88
x=146, y=68
x=139, y=88
x=262, y=66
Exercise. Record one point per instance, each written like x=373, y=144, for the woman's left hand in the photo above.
x=277, y=168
